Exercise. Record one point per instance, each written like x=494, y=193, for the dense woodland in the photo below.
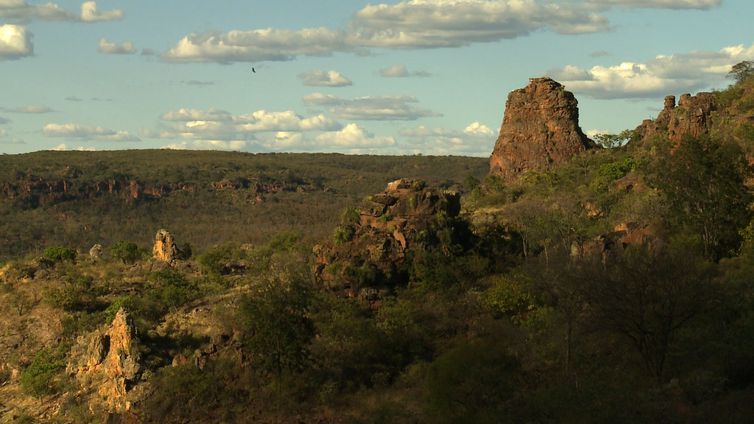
x=617, y=288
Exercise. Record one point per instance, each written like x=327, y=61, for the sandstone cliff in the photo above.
x=540, y=130
x=693, y=116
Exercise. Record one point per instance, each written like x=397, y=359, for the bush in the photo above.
x=125, y=251
x=38, y=379
x=76, y=294
x=57, y=254
x=172, y=289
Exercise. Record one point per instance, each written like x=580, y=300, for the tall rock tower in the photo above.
x=540, y=130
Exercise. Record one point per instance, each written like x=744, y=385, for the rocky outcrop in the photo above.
x=165, y=249
x=95, y=253
x=371, y=245
x=106, y=364
x=614, y=243
x=540, y=130
x=692, y=116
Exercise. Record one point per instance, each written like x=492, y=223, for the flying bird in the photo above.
x=253, y=70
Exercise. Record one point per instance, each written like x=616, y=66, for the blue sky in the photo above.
x=399, y=77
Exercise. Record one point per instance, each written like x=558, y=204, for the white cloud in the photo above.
x=109, y=47
x=454, y=23
x=30, y=109
x=218, y=125
x=15, y=42
x=21, y=10
x=662, y=75
x=400, y=71
x=71, y=130
x=90, y=13
x=325, y=79
x=257, y=45
x=476, y=139
x=229, y=145
x=660, y=4
x=352, y=136
x=373, y=108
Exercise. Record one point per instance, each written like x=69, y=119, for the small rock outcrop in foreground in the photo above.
x=540, y=130
x=106, y=364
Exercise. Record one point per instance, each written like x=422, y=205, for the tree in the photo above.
x=703, y=181
x=277, y=324
x=741, y=71
x=610, y=141
x=125, y=251
x=649, y=297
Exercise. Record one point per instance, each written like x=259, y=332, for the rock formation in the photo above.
x=165, y=249
x=692, y=116
x=106, y=364
x=370, y=248
x=540, y=130
x=95, y=253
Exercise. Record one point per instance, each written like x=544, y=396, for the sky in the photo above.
x=400, y=77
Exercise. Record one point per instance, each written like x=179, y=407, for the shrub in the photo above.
x=76, y=294
x=125, y=251
x=58, y=254
x=38, y=379
x=172, y=288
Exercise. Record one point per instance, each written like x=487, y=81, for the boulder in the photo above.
x=540, y=130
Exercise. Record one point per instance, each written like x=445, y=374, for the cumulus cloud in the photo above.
x=64, y=148
x=23, y=11
x=257, y=45
x=15, y=42
x=401, y=71
x=83, y=132
x=414, y=24
x=219, y=125
x=109, y=47
x=228, y=145
x=90, y=13
x=660, y=4
x=30, y=109
x=662, y=75
x=454, y=23
x=371, y=108
x=324, y=79
x=352, y=135
x=476, y=139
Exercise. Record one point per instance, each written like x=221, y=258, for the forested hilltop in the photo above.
x=569, y=280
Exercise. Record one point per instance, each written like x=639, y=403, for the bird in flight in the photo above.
x=254, y=71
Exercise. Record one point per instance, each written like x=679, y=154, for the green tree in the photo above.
x=126, y=251
x=276, y=320
x=610, y=141
x=741, y=71
x=703, y=181
x=39, y=378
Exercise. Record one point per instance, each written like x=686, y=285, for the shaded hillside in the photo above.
x=82, y=198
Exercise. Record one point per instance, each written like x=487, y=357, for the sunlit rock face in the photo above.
x=540, y=130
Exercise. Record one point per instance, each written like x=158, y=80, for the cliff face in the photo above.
x=540, y=130
x=693, y=116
